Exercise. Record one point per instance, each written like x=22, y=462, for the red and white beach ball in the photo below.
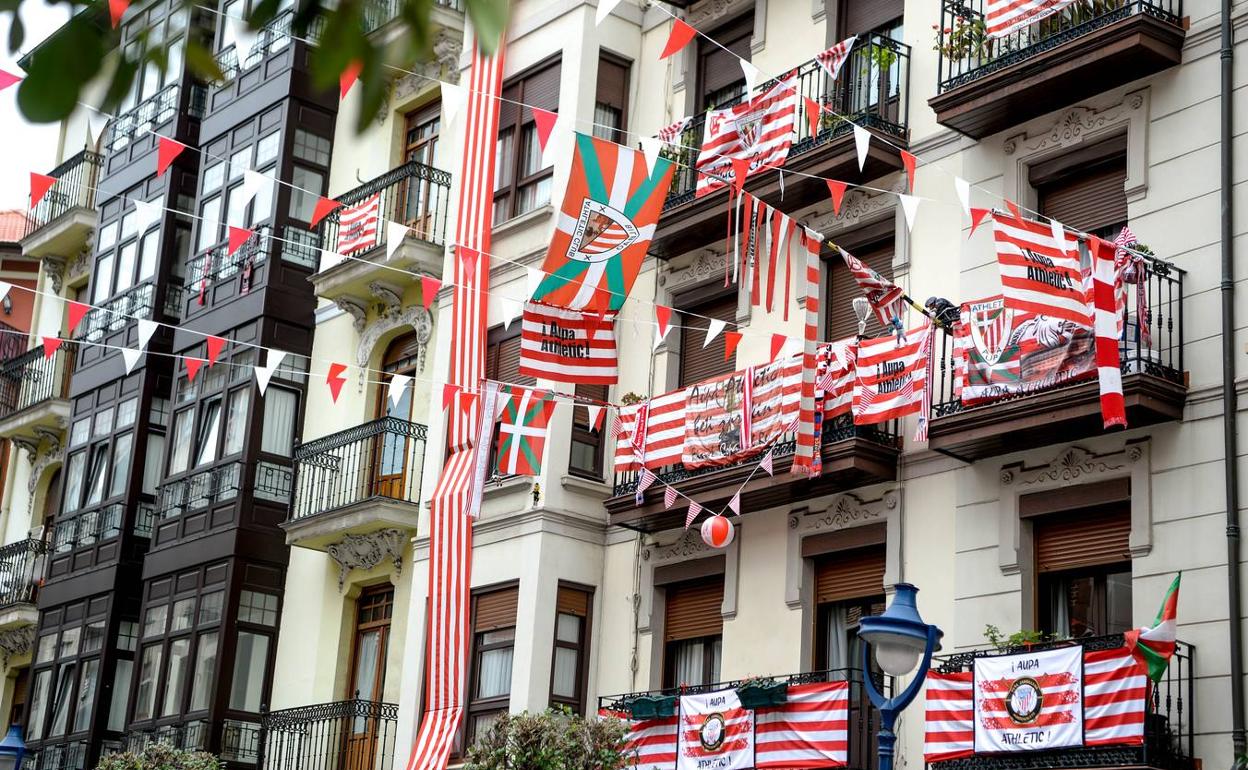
x=717, y=531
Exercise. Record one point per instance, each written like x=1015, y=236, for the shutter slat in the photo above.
x=717, y=68
x=863, y=16
x=853, y=574
x=1084, y=539
x=571, y=601
x=541, y=89
x=496, y=609
x=580, y=415
x=509, y=363
x=696, y=362
x=612, y=84
x=842, y=288
x=693, y=609
x=1089, y=200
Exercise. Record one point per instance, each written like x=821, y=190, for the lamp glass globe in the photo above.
x=897, y=657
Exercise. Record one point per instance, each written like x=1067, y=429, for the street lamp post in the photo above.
x=901, y=640
x=12, y=749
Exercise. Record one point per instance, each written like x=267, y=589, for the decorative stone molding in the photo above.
x=81, y=264
x=861, y=207
x=48, y=454
x=16, y=641
x=414, y=316
x=1082, y=125
x=708, y=264
x=1074, y=466
x=443, y=66
x=389, y=296
x=842, y=511
x=709, y=12
x=54, y=269
x=687, y=546
x=354, y=308
x=367, y=551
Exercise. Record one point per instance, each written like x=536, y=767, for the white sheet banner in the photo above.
x=1029, y=702
x=716, y=733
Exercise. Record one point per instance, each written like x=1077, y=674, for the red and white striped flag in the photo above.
x=1131, y=269
x=765, y=464
x=807, y=458
x=669, y=496
x=838, y=372
x=651, y=433
x=1005, y=16
x=694, y=509
x=650, y=744
x=884, y=296
x=810, y=730
x=832, y=59
x=890, y=378
x=571, y=346
x=1039, y=274
x=671, y=133
x=950, y=715
x=719, y=714
x=1115, y=696
x=758, y=132
x=357, y=225
x=1113, y=408
x=925, y=400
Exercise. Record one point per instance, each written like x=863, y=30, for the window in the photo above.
x=73, y=481
x=97, y=473
x=585, y=456
x=307, y=186
x=522, y=183
x=209, y=430
x=175, y=679
x=570, y=665
x=204, y=672
x=149, y=671
x=102, y=278
x=720, y=80
x=121, y=695
x=693, y=631
x=122, y=447
x=697, y=360
x=502, y=364
x=281, y=407
x=1084, y=568
x=849, y=584
x=875, y=248
x=1086, y=189
x=183, y=424
x=257, y=607
x=493, y=641
x=209, y=224
x=236, y=421
x=86, y=694
x=250, y=661
x=611, y=100
x=39, y=705
x=312, y=148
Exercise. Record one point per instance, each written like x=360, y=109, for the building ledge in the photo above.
x=318, y=531
x=66, y=236
x=51, y=414
x=350, y=278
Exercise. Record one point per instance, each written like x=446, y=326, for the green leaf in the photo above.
x=17, y=33
x=70, y=57
x=119, y=86
x=489, y=17
x=202, y=63
x=262, y=13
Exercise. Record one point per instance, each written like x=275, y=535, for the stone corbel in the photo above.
x=354, y=308
x=16, y=641
x=367, y=551
x=389, y=296
x=54, y=269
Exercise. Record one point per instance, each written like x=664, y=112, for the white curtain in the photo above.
x=495, y=677
x=838, y=652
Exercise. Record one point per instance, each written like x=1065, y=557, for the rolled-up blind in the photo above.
x=496, y=609
x=856, y=574
x=842, y=288
x=717, y=68
x=693, y=609
x=1084, y=539
x=861, y=16
x=698, y=363
x=1088, y=200
x=572, y=601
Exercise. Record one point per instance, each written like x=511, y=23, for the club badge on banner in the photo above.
x=568, y=345
x=716, y=732
x=1029, y=702
x=734, y=416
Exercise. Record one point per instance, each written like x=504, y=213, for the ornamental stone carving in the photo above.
x=688, y=544
x=49, y=454
x=1071, y=465
x=414, y=316
x=54, y=269
x=16, y=641
x=389, y=296
x=355, y=309
x=367, y=551
x=858, y=207
x=843, y=511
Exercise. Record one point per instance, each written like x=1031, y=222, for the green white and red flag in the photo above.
x=522, y=432
x=1153, y=645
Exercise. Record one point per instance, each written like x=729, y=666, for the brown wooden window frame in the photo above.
x=520, y=122
x=711, y=664
x=477, y=707
x=583, y=433
x=608, y=98
x=581, y=646
x=736, y=35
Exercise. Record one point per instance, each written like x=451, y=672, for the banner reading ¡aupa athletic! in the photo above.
x=1029, y=702
x=715, y=732
x=609, y=213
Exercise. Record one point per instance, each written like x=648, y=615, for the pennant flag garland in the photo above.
x=348, y=77
x=396, y=388
x=759, y=131
x=324, y=207
x=145, y=214
x=862, y=143
x=778, y=341
x=731, y=340
x=214, y=345
x=273, y=359
x=468, y=261
x=713, y=327
x=837, y=189
x=651, y=147
x=116, y=10
x=647, y=478
x=192, y=367
x=449, y=392
x=977, y=216
x=670, y=134
x=96, y=122
x=146, y=330
x=604, y=10
x=593, y=416
x=511, y=309
x=39, y=186
x=395, y=233
x=964, y=193
x=735, y=503
x=166, y=151
x=238, y=236
x=909, y=207
x=669, y=496
x=130, y=357
x=813, y=113
x=8, y=79
x=751, y=74
x=832, y=59
x=663, y=315
x=765, y=464
x=694, y=509
x=678, y=38
x=1153, y=646
x=50, y=346
x=254, y=182
x=242, y=37
x=453, y=99
x=429, y=287
x=335, y=379
x=77, y=310
x=908, y=160
x=544, y=121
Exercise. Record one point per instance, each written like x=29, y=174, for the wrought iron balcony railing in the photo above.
x=118, y=312
x=222, y=483
x=1169, y=736
x=22, y=566
x=273, y=37
x=353, y=734
x=378, y=13
x=238, y=743
x=413, y=193
x=1154, y=347
x=379, y=459
x=871, y=91
x=216, y=265
x=75, y=184
x=97, y=525
x=966, y=53
x=154, y=111
x=33, y=378
x=58, y=756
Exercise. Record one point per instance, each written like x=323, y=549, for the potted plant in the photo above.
x=159, y=755
x=762, y=692
x=554, y=740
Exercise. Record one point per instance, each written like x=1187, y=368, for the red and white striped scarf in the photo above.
x=807, y=458
x=1105, y=326
x=1130, y=268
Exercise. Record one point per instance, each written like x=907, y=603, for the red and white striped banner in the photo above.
x=715, y=731
x=950, y=715
x=810, y=730
x=652, y=432
x=759, y=130
x=1004, y=16
x=358, y=225
x=650, y=744
x=832, y=59
x=890, y=377
x=1039, y=274
x=837, y=372
x=1115, y=697
x=1032, y=701
x=1105, y=325
x=569, y=346
x=735, y=416
x=806, y=457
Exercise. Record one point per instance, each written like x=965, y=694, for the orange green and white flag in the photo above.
x=1153, y=645
x=608, y=217
x=522, y=432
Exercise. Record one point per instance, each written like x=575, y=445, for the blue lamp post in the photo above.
x=901, y=641
x=12, y=749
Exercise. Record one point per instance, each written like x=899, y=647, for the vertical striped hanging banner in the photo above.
x=450, y=535
x=808, y=458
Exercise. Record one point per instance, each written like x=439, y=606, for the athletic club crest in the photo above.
x=601, y=233
x=749, y=129
x=711, y=734
x=991, y=324
x=1024, y=701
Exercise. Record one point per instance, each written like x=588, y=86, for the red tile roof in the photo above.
x=12, y=225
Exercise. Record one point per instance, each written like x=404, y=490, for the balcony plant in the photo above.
x=652, y=706
x=967, y=38
x=1003, y=642
x=160, y=756
x=762, y=692
x=554, y=740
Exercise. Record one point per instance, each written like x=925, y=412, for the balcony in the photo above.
x=989, y=84
x=216, y=275
x=1154, y=384
x=61, y=224
x=871, y=91
x=354, y=734
x=361, y=480
x=853, y=456
x=1168, y=723
x=22, y=566
x=413, y=194
x=34, y=393
x=202, y=490
x=58, y=756
x=238, y=740
x=273, y=38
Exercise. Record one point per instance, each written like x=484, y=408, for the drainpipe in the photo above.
x=1229, y=406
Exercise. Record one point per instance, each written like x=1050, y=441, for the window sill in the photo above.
x=582, y=484
x=506, y=485
x=524, y=220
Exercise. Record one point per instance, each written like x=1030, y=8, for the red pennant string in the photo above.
x=1013, y=207
x=39, y=186
x=908, y=159
x=813, y=113
x=50, y=344
x=544, y=121
x=448, y=393
x=777, y=344
x=678, y=38
x=731, y=340
x=166, y=150
x=8, y=78
x=215, y=346
x=192, y=367
x=429, y=287
x=466, y=402
x=740, y=170
x=348, y=77
x=837, y=189
x=335, y=380
x=663, y=315
x=238, y=236
x=117, y=9
x=977, y=216
x=323, y=208
x=77, y=310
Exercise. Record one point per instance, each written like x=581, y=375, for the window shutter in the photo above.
x=861, y=16
x=856, y=574
x=1085, y=539
x=571, y=601
x=693, y=610
x=612, y=83
x=541, y=89
x=1088, y=200
x=580, y=415
x=842, y=288
x=496, y=609
x=698, y=363
x=508, y=363
x=717, y=68
x=401, y=350
x=508, y=109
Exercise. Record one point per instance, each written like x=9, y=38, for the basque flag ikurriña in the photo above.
x=522, y=432
x=608, y=217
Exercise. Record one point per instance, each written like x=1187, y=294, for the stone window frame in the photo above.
x=704, y=15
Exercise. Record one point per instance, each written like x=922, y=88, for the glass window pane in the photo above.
x=495, y=673
x=80, y=432
x=73, y=480
x=93, y=636
x=149, y=672
x=69, y=642
x=60, y=701
x=183, y=422
x=209, y=430
x=236, y=421
x=175, y=680
x=205, y=670
x=47, y=648
x=127, y=635
x=209, y=223
x=121, y=695
x=121, y=463
x=108, y=237
x=126, y=412
x=564, y=684
x=278, y=436
x=236, y=212
x=214, y=177
x=156, y=620
x=97, y=473
x=154, y=455
x=129, y=225
x=86, y=694
x=1118, y=597
x=149, y=254
x=103, y=422
x=183, y=614
x=262, y=204
x=38, y=705
x=102, y=280
x=210, y=607
x=125, y=266
x=240, y=161
x=307, y=187
x=266, y=148
x=568, y=628
x=257, y=607
x=249, y=664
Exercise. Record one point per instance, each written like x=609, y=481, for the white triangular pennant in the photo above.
x=909, y=206
x=712, y=330
x=650, y=147
x=5, y=286
x=243, y=38
x=395, y=233
x=593, y=412
x=146, y=214
x=604, y=10
x=558, y=144
x=273, y=359
x=751, y=76
x=96, y=123
x=398, y=384
x=131, y=358
x=453, y=98
x=533, y=279
x=511, y=309
x=146, y=330
x=329, y=259
x=1059, y=233
x=964, y=193
x=781, y=173
x=791, y=347
x=862, y=142
x=253, y=182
